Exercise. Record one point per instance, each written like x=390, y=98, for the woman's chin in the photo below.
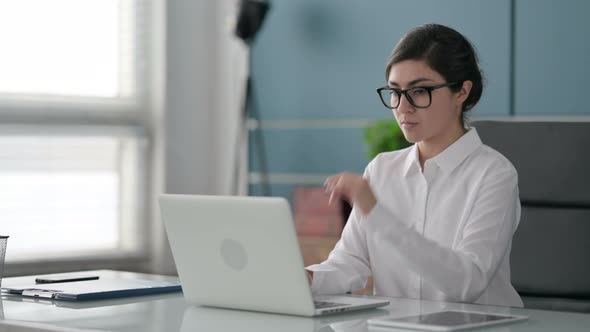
x=411, y=138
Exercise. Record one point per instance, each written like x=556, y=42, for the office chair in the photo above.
x=550, y=258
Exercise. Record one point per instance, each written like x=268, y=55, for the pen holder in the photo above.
x=3, y=240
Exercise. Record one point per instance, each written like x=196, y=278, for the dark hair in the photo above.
x=447, y=52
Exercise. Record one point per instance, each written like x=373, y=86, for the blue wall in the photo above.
x=316, y=65
x=552, y=54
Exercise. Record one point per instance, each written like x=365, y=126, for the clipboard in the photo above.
x=103, y=288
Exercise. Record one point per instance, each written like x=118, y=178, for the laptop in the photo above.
x=224, y=320
x=242, y=253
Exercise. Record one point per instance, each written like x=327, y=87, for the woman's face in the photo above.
x=442, y=117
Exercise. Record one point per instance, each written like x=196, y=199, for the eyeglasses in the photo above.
x=419, y=97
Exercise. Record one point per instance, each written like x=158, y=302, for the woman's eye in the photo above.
x=418, y=92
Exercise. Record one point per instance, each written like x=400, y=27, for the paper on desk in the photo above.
x=21, y=326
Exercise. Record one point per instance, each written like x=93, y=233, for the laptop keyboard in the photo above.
x=323, y=305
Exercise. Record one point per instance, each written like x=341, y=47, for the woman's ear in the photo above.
x=464, y=92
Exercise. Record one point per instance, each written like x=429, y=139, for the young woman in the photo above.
x=433, y=221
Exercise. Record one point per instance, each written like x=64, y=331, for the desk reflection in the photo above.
x=227, y=320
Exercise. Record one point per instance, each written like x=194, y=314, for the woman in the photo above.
x=433, y=221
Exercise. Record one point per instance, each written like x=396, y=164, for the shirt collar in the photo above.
x=450, y=157
x=412, y=160
x=453, y=155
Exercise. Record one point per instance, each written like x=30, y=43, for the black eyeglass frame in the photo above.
x=399, y=93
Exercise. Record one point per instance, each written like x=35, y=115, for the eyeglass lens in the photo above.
x=418, y=97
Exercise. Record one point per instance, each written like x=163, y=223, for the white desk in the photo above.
x=170, y=313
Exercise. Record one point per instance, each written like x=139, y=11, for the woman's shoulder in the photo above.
x=494, y=159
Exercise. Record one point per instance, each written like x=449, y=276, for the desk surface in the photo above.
x=170, y=313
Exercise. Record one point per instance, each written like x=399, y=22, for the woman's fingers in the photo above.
x=352, y=187
x=331, y=182
x=332, y=197
x=331, y=185
x=338, y=186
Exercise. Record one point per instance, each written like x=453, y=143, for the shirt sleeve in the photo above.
x=347, y=267
x=463, y=272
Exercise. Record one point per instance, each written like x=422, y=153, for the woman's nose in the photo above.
x=404, y=105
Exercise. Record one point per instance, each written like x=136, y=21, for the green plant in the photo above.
x=384, y=135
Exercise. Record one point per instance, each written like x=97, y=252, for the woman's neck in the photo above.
x=430, y=148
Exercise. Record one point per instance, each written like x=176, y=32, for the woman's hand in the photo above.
x=352, y=187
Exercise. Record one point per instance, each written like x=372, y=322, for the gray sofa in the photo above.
x=550, y=259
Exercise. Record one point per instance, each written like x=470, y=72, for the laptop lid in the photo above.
x=237, y=252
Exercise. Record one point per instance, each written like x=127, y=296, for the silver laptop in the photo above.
x=242, y=253
x=222, y=320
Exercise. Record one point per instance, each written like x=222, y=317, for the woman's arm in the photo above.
x=347, y=267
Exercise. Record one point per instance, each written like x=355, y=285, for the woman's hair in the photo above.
x=447, y=52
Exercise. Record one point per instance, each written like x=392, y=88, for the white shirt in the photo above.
x=441, y=234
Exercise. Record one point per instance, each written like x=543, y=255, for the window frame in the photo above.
x=128, y=116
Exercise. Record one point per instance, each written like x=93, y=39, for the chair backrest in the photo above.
x=551, y=248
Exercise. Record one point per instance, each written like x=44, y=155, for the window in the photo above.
x=73, y=144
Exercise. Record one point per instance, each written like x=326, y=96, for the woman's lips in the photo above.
x=409, y=124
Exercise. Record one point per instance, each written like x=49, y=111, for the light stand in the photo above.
x=250, y=18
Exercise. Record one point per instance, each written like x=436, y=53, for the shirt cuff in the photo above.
x=318, y=277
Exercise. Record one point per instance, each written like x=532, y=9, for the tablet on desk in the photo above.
x=446, y=320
